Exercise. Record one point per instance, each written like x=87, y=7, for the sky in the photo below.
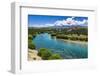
x=48, y=20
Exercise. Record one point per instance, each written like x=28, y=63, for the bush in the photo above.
x=44, y=53
x=31, y=45
x=62, y=36
x=47, y=55
x=30, y=37
x=55, y=56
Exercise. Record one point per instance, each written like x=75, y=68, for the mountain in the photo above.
x=63, y=26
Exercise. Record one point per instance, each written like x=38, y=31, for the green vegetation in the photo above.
x=55, y=56
x=73, y=37
x=76, y=34
x=31, y=44
x=44, y=53
x=30, y=37
x=47, y=55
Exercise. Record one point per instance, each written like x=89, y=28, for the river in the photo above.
x=67, y=50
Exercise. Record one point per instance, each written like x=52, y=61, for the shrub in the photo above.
x=62, y=36
x=31, y=45
x=55, y=56
x=44, y=53
x=53, y=34
x=30, y=37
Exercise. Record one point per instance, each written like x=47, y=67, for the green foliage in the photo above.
x=31, y=45
x=55, y=56
x=44, y=53
x=47, y=55
x=30, y=37
x=62, y=36
x=73, y=37
x=74, y=34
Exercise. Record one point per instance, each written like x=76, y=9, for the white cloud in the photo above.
x=45, y=25
x=67, y=21
x=60, y=23
x=49, y=24
x=84, y=22
x=70, y=21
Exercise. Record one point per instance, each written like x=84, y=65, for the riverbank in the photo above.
x=32, y=55
x=71, y=41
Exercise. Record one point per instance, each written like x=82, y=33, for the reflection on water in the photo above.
x=67, y=50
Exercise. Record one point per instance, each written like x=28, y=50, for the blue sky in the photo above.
x=47, y=20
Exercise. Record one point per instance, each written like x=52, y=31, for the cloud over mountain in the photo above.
x=65, y=22
x=71, y=21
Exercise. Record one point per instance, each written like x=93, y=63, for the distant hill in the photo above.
x=63, y=27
